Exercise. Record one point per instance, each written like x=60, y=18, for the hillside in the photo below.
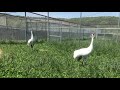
x=96, y=20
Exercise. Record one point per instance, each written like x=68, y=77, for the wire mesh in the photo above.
x=18, y=27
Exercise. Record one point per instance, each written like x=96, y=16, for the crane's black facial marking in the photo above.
x=79, y=58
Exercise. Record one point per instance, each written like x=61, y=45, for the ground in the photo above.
x=55, y=60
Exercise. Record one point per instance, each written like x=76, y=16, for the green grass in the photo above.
x=55, y=60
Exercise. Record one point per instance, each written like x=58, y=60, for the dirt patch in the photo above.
x=1, y=52
x=42, y=50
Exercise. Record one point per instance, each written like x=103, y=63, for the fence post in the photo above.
x=6, y=22
x=118, y=19
x=117, y=34
x=69, y=30
x=60, y=31
x=96, y=32
x=104, y=34
x=81, y=23
x=26, y=27
x=77, y=31
x=118, y=26
x=48, y=26
x=36, y=26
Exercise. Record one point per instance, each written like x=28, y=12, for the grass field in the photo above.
x=55, y=60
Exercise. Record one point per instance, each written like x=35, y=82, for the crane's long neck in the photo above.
x=31, y=34
x=91, y=44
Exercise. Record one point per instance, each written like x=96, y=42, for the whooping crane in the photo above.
x=84, y=52
x=31, y=41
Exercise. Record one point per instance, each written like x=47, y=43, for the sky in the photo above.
x=68, y=14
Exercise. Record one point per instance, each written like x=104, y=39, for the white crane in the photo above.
x=83, y=52
x=31, y=41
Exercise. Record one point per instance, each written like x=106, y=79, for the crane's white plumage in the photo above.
x=31, y=40
x=78, y=54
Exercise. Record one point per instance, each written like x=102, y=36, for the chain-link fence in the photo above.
x=12, y=27
x=16, y=27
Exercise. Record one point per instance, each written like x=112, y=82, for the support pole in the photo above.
x=26, y=27
x=81, y=21
x=48, y=26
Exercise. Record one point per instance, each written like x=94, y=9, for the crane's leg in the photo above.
x=84, y=60
x=31, y=46
x=79, y=58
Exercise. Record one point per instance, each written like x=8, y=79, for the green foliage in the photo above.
x=108, y=20
x=55, y=60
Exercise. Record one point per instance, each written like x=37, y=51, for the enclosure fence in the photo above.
x=18, y=28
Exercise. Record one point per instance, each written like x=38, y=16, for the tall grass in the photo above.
x=55, y=60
